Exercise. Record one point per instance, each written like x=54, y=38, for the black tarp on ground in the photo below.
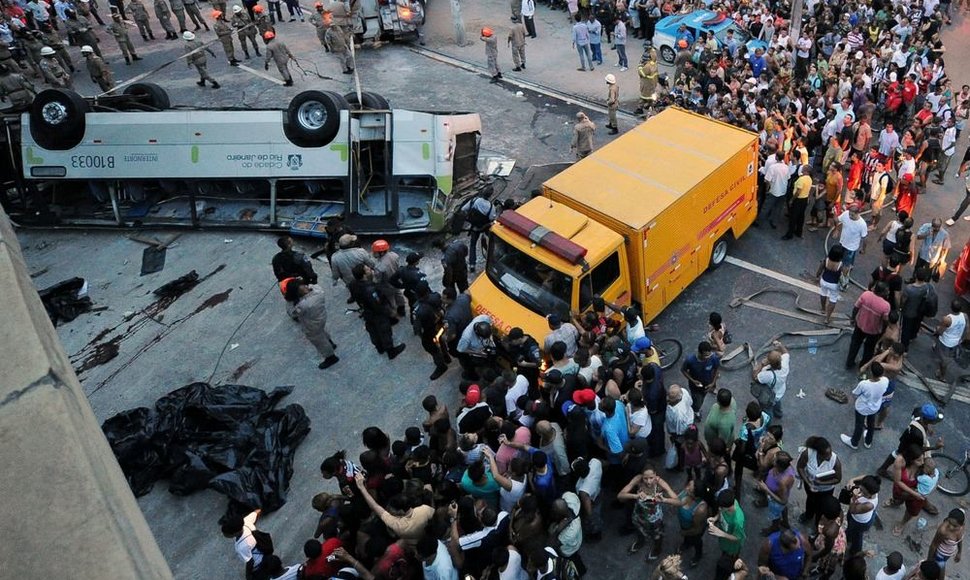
x=65, y=301
x=228, y=438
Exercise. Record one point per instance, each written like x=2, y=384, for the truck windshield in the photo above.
x=528, y=281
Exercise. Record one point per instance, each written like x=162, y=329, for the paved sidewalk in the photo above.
x=551, y=59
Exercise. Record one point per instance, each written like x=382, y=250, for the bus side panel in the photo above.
x=727, y=201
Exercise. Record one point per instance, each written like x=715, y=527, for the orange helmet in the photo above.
x=216, y=14
x=380, y=246
x=269, y=35
x=682, y=43
x=285, y=284
x=487, y=32
x=258, y=9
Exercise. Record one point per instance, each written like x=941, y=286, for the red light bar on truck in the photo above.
x=543, y=237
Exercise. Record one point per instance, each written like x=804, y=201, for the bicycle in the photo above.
x=954, y=474
x=669, y=350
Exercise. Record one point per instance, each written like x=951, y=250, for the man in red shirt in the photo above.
x=317, y=565
x=909, y=93
x=870, y=313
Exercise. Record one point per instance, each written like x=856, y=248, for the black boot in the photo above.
x=135, y=57
x=246, y=54
x=258, y=53
x=201, y=83
x=151, y=35
x=288, y=83
x=127, y=60
x=215, y=85
x=233, y=62
x=145, y=38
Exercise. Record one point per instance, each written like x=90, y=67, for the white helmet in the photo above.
x=86, y=49
x=610, y=79
x=188, y=35
x=236, y=8
x=47, y=51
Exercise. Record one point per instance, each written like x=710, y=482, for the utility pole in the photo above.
x=796, y=27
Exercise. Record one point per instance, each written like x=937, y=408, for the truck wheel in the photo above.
x=313, y=118
x=151, y=94
x=57, y=119
x=667, y=54
x=371, y=101
x=720, y=251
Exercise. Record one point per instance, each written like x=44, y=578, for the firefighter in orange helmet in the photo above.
x=491, y=53
x=387, y=263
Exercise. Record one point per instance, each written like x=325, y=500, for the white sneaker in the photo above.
x=868, y=445
x=966, y=218
x=617, y=64
x=848, y=441
x=623, y=69
x=950, y=221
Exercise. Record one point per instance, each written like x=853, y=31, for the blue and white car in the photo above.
x=665, y=35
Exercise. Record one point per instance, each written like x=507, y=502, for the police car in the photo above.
x=667, y=32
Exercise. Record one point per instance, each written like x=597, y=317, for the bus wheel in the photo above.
x=152, y=95
x=720, y=251
x=371, y=101
x=57, y=119
x=313, y=118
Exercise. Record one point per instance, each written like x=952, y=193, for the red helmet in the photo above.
x=269, y=35
x=217, y=14
x=682, y=43
x=487, y=32
x=258, y=9
x=380, y=246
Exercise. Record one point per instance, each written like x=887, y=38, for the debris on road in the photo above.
x=229, y=438
x=66, y=300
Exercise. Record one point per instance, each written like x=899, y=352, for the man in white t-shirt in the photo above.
x=773, y=372
x=776, y=177
x=241, y=531
x=851, y=230
x=868, y=394
x=436, y=559
x=590, y=474
x=508, y=561
x=894, y=568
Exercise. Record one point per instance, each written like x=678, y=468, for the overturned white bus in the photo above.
x=134, y=160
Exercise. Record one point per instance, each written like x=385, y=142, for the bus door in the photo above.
x=372, y=192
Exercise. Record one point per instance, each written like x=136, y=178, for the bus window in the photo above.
x=415, y=197
x=599, y=280
x=309, y=198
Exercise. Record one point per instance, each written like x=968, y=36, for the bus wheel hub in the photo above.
x=54, y=113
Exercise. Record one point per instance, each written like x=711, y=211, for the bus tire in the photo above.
x=57, y=119
x=719, y=251
x=313, y=118
x=153, y=95
x=371, y=101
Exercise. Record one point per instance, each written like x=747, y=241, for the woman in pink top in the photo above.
x=521, y=437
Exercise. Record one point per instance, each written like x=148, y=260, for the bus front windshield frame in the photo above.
x=533, y=284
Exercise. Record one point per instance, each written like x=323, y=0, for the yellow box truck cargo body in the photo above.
x=673, y=187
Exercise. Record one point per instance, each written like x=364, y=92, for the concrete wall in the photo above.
x=66, y=510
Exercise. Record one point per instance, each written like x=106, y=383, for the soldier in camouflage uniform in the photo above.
x=140, y=15
x=224, y=33
x=179, y=9
x=118, y=29
x=81, y=29
x=99, y=71
x=54, y=73
x=245, y=29
x=198, y=59
x=164, y=15
x=15, y=88
x=321, y=20
x=51, y=39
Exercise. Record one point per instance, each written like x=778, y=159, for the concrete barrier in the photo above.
x=66, y=510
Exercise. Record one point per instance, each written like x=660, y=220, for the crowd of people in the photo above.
x=563, y=438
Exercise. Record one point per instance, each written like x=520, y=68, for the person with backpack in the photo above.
x=479, y=214
x=918, y=300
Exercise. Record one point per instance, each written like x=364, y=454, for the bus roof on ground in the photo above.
x=637, y=176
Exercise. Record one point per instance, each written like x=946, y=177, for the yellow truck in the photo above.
x=635, y=222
